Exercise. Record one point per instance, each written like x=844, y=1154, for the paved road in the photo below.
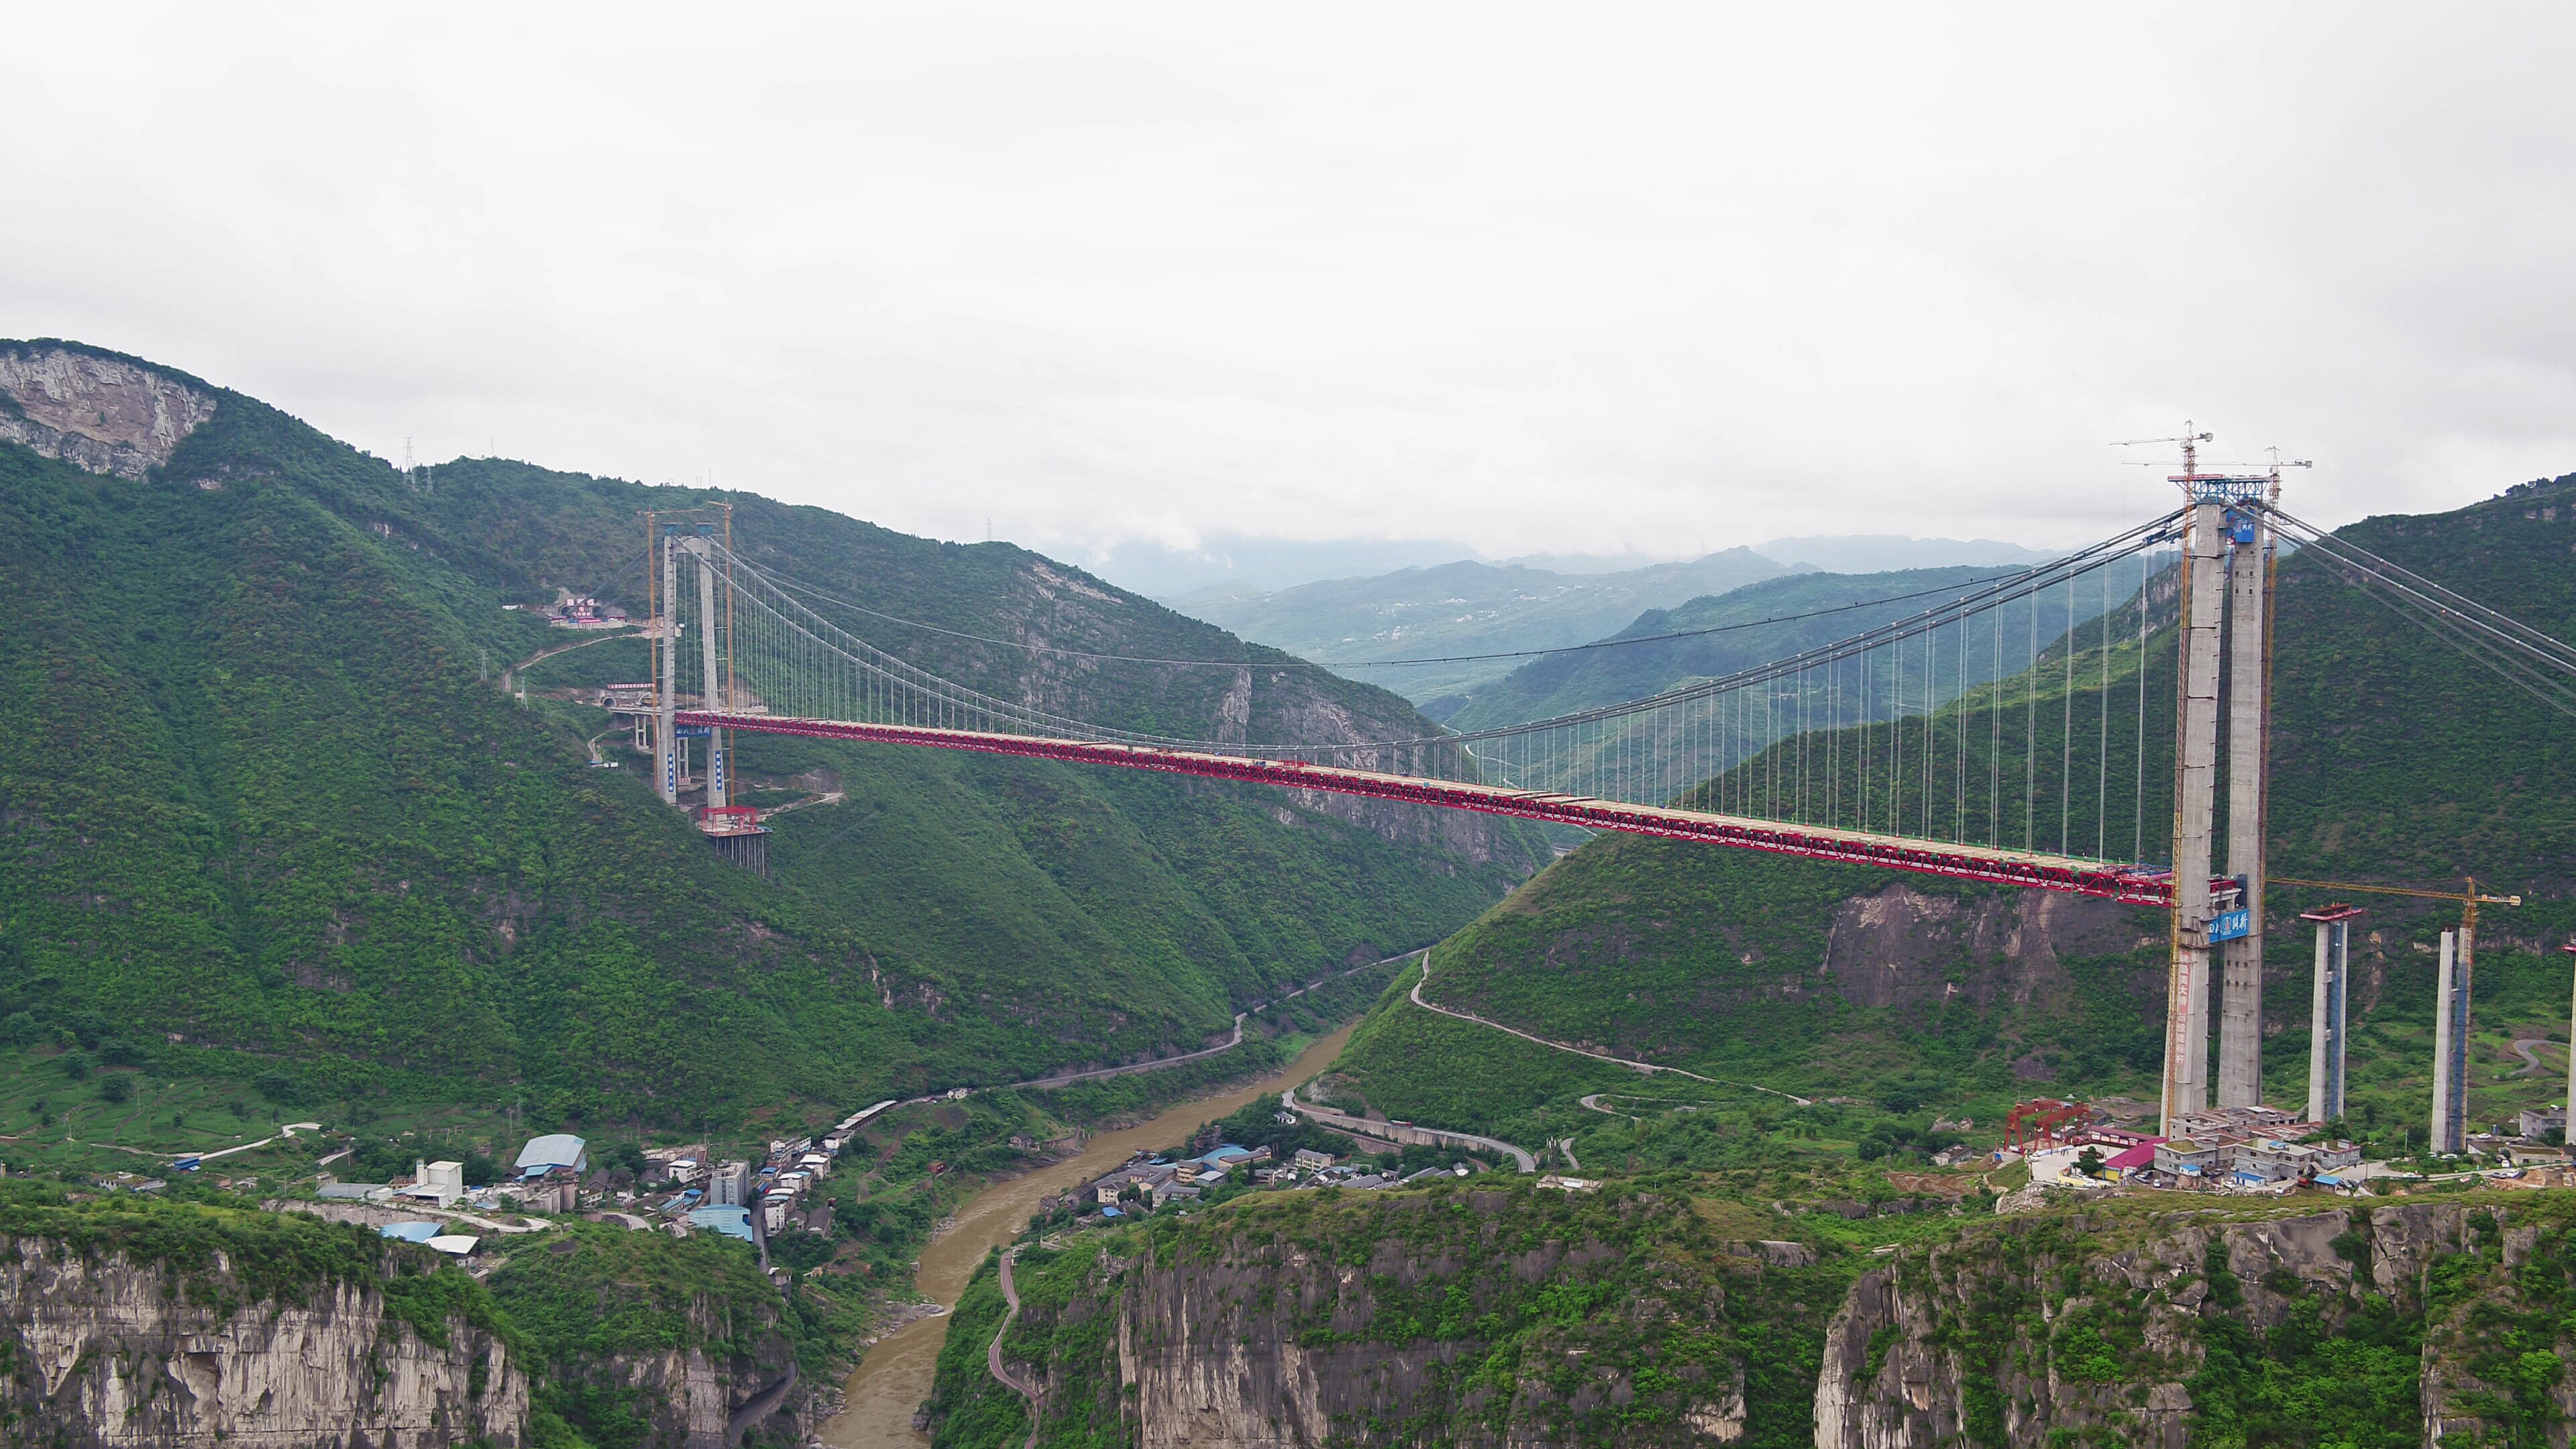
x=510, y=672
x=284, y=1134
x=1649, y=1068
x=993, y=1351
x=1388, y=1130
x=1068, y=1078
x=2523, y=1049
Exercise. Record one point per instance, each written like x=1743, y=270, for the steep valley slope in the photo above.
x=266, y=815
x=1626, y=1316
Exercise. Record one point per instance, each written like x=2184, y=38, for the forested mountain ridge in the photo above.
x=261, y=814
x=1467, y=607
x=1723, y=633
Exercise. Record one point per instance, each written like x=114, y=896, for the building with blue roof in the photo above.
x=556, y=1149
x=733, y=1222
x=412, y=1232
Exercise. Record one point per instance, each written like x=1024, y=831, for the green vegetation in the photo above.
x=225, y=1255
x=1574, y=1354
x=1564, y=683
x=594, y=1301
x=967, y=1407
x=2393, y=760
x=268, y=826
x=1463, y=608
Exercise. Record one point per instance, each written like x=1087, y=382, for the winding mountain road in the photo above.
x=1648, y=1068
x=1392, y=1131
x=993, y=1350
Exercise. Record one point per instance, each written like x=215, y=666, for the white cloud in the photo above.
x=1538, y=279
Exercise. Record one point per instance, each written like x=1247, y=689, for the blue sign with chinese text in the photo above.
x=2231, y=926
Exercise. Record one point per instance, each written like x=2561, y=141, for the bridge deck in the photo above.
x=2132, y=884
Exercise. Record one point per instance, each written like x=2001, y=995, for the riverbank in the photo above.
x=895, y=1376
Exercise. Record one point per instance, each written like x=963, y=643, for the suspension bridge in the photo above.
x=2018, y=731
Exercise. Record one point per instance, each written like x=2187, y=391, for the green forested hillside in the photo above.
x=261, y=819
x=1464, y=608
x=1564, y=683
x=2394, y=760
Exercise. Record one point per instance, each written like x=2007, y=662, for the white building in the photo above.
x=731, y=1185
x=442, y=1183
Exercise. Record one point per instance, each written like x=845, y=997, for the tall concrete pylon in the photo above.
x=2186, y=1084
x=2451, y=1046
x=666, y=763
x=711, y=690
x=2240, y=1013
x=2328, y=1011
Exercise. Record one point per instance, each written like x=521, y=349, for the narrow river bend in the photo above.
x=895, y=1376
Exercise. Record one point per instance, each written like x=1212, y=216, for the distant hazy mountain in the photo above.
x=1254, y=565
x=1461, y=608
x=1562, y=683
x=1873, y=553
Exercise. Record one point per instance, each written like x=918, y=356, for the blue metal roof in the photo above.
x=555, y=1149
x=412, y=1232
x=733, y=1222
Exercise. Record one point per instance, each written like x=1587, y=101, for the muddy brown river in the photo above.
x=895, y=1376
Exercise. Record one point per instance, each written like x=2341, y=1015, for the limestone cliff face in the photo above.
x=2103, y=1328
x=694, y=1400
x=105, y=1351
x=95, y=412
x=1904, y=947
x=1514, y=1317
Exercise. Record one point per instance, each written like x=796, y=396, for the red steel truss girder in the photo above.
x=2128, y=884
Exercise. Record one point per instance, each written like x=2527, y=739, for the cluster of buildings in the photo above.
x=545, y=1177
x=580, y=611
x=2266, y=1149
x=1147, y=1183
x=754, y=1201
x=685, y=1188
x=2241, y=1147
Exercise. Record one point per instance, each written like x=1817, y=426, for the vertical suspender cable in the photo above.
x=1995, y=735
x=2138, y=811
x=2030, y=730
x=2066, y=729
x=2102, y=745
x=1896, y=739
x=1959, y=729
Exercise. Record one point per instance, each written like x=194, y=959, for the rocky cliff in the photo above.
x=1488, y=1316
x=94, y=410
x=1522, y=1317
x=651, y=1342
x=122, y=1347
x=2399, y=1324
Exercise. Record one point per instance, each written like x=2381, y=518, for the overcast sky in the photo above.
x=1572, y=278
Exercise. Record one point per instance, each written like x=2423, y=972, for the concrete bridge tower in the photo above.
x=2249, y=717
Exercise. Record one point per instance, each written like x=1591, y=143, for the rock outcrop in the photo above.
x=94, y=411
x=692, y=1400
x=104, y=1350
x=1904, y=947
x=2139, y=1328
x=1500, y=1317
